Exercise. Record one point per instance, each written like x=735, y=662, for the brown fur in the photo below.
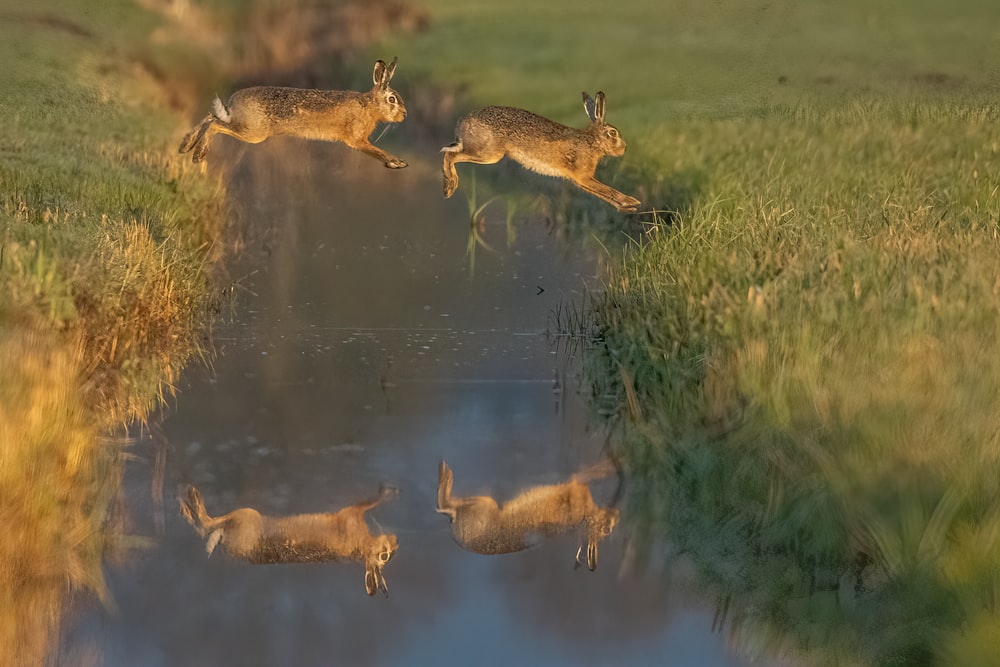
x=487, y=135
x=481, y=525
x=248, y=535
x=254, y=114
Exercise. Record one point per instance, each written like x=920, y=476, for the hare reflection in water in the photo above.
x=247, y=534
x=479, y=524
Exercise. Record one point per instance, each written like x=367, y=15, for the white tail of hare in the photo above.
x=248, y=535
x=485, y=136
x=479, y=524
x=254, y=114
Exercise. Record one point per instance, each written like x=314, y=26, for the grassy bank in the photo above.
x=811, y=349
x=802, y=352
x=104, y=243
x=107, y=240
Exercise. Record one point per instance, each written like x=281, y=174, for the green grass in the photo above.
x=105, y=240
x=813, y=353
x=801, y=351
x=662, y=61
x=99, y=222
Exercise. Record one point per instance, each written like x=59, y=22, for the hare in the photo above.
x=248, y=535
x=485, y=136
x=254, y=114
x=479, y=524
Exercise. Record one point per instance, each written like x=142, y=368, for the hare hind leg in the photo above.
x=457, y=152
x=193, y=508
x=191, y=138
x=212, y=126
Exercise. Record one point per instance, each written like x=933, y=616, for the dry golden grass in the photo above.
x=55, y=475
x=105, y=242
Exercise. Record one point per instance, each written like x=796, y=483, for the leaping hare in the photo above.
x=479, y=524
x=248, y=535
x=485, y=136
x=254, y=114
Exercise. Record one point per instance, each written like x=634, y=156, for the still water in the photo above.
x=359, y=350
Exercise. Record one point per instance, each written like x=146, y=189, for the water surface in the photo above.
x=360, y=350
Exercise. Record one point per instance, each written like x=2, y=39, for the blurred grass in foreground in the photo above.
x=802, y=349
x=53, y=489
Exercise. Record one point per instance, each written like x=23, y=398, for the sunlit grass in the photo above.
x=54, y=486
x=106, y=239
x=660, y=61
x=801, y=347
x=813, y=340
x=98, y=222
x=104, y=243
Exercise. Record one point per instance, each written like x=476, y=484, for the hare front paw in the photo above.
x=395, y=163
x=628, y=205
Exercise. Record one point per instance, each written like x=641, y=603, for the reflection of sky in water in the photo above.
x=361, y=351
x=500, y=636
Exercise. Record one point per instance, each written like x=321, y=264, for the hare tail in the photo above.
x=453, y=147
x=220, y=111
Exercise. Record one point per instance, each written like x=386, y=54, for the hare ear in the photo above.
x=592, y=556
x=588, y=106
x=389, y=71
x=445, y=481
x=599, y=108
x=378, y=74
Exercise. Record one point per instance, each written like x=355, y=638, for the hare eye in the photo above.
x=384, y=557
x=612, y=132
x=392, y=99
